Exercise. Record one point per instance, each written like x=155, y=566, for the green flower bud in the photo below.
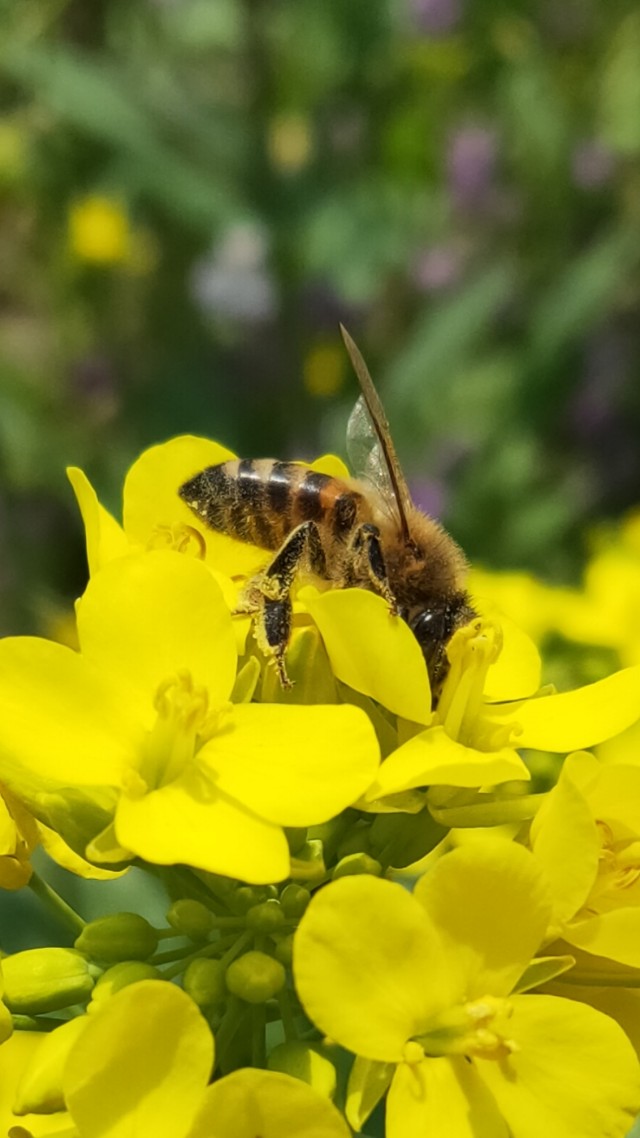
x=191, y=918
x=255, y=977
x=305, y=1061
x=294, y=900
x=45, y=979
x=247, y=896
x=357, y=863
x=284, y=950
x=40, y=1088
x=120, y=976
x=204, y=981
x=266, y=917
x=122, y=936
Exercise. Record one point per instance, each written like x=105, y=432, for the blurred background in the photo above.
x=193, y=193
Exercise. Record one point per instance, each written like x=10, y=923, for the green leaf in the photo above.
x=582, y=294
x=95, y=100
x=619, y=95
x=445, y=336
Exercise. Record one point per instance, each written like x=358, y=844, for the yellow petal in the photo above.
x=147, y=617
x=60, y=717
x=621, y=1004
x=433, y=759
x=566, y=845
x=517, y=671
x=152, y=506
x=296, y=766
x=104, y=537
x=441, y=1097
x=63, y=855
x=330, y=464
x=615, y=934
x=15, y=1055
x=372, y=651
x=579, y=719
x=361, y=956
x=190, y=822
x=574, y=1073
x=614, y=795
x=141, y=1065
x=489, y=904
x=250, y=1102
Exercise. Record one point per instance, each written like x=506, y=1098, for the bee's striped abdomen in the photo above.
x=262, y=500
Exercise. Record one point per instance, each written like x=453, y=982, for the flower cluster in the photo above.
x=383, y=909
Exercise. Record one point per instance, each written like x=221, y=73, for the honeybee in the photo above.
x=364, y=532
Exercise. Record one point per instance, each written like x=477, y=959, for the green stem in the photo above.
x=495, y=812
x=258, y=1042
x=184, y=883
x=239, y=944
x=287, y=1016
x=56, y=904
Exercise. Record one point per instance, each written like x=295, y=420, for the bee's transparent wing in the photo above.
x=367, y=460
x=369, y=446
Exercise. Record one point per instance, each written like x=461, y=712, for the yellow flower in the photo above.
x=482, y=718
x=99, y=230
x=586, y=837
x=144, y=710
x=324, y=370
x=142, y=1066
x=423, y=989
x=15, y=1057
x=155, y=517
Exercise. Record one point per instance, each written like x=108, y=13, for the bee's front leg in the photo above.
x=270, y=593
x=367, y=562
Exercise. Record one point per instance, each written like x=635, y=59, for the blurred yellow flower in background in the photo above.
x=99, y=230
x=100, y=233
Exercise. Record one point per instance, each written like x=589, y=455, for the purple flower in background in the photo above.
x=437, y=268
x=430, y=495
x=592, y=164
x=471, y=161
x=436, y=17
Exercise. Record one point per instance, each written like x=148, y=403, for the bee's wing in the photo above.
x=369, y=446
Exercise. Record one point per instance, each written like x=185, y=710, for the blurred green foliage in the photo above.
x=194, y=192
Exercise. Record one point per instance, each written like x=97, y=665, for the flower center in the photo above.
x=478, y=1029
x=184, y=719
x=472, y=651
x=180, y=537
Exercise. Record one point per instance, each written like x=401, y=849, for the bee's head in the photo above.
x=433, y=626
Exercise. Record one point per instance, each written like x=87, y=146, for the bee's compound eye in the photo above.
x=432, y=625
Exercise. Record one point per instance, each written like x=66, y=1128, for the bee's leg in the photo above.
x=365, y=553
x=273, y=625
